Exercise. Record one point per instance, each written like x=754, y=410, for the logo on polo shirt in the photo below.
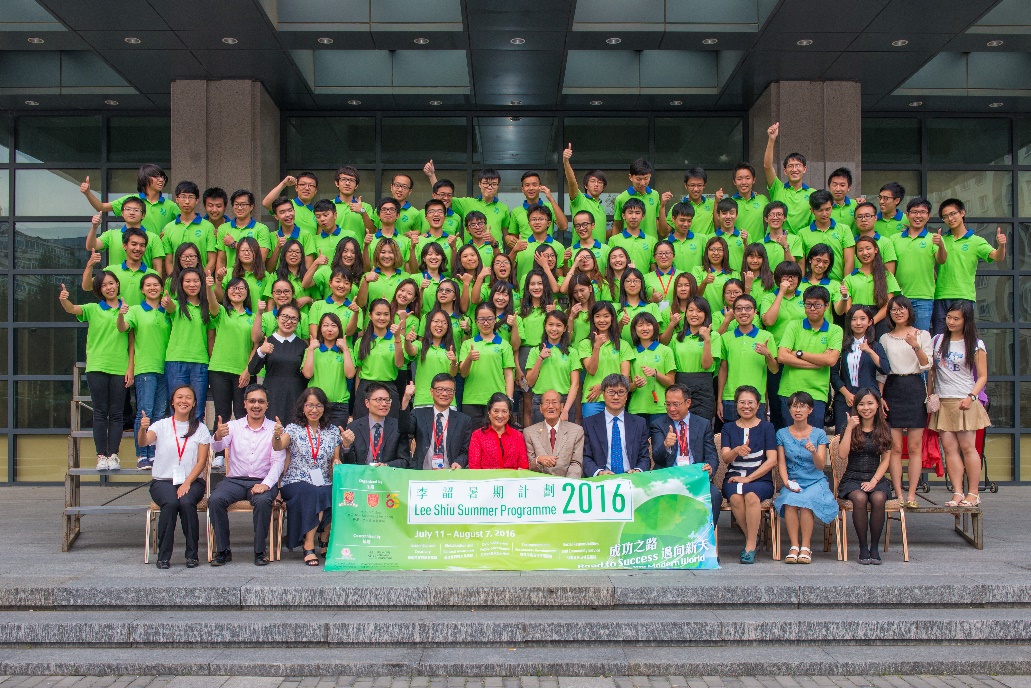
x=964, y=247
x=196, y=232
x=651, y=200
x=496, y=211
x=923, y=244
x=823, y=340
x=404, y=218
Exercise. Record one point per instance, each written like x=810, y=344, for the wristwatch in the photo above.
x=973, y=397
x=798, y=354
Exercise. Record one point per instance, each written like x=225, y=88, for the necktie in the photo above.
x=616, y=448
x=377, y=435
x=438, y=436
x=553, y=439
x=683, y=440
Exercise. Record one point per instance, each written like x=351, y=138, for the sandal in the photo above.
x=323, y=545
x=911, y=504
x=954, y=501
x=792, y=556
x=310, y=562
x=967, y=502
x=805, y=556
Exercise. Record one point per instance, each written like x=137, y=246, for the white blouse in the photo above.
x=901, y=357
x=166, y=455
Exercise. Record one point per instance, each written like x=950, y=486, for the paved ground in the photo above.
x=522, y=682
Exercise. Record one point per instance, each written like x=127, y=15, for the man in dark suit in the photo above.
x=681, y=439
x=615, y=441
x=441, y=433
x=377, y=439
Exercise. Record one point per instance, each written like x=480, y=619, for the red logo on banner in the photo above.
x=348, y=499
x=373, y=500
x=392, y=501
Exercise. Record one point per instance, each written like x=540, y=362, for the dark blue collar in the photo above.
x=897, y=216
x=739, y=197
x=579, y=245
x=768, y=240
x=824, y=281
x=143, y=267
x=921, y=235
x=660, y=273
x=147, y=307
x=813, y=227
x=326, y=236
x=295, y=233
x=480, y=198
x=388, y=336
x=628, y=235
x=855, y=271
x=406, y=205
x=787, y=185
x=443, y=235
x=379, y=234
x=690, y=235
x=323, y=348
x=806, y=325
x=527, y=205
x=969, y=234
x=845, y=204
x=651, y=347
x=736, y=232
x=495, y=340
x=647, y=190
x=161, y=198
x=249, y=225
x=297, y=202
x=533, y=240
x=105, y=307
x=197, y=219
x=753, y=333
x=397, y=271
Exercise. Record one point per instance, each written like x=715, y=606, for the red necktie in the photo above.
x=683, y=440
x=553, y=439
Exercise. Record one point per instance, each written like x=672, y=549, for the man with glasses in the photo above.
x=354, y=216
x=793, y=193
x=253, y=468
x=444, y=191
x=441, y=432
x=682, y=439
x=865, y=219
x=435, y=213
x=584, y=228
x=808, y=350
x=408, y=217
x=378, y=439
x=306, y=185
x=891, y=220
x=615, y=441
x=480, y=237
x=555, y=446
x=588, y=200
x=495, y=212
x=747, y=354
x=965, y=250
x=918, y=252
x=242, y=225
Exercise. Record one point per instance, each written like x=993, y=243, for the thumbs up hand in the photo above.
x=63, y=295
x=936, y=239
x=451, y=354
x=221, y=429
x=84, y=187
x=144, y=421
x=1000, y=236
x=277, y=430
x=567, y=153
x=671, y=438
x=321, y=259
x=209, y=279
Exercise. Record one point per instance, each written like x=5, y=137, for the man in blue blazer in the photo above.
x=615, y=441
x=681, y=439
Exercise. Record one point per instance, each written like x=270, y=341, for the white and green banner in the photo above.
x=393, y=519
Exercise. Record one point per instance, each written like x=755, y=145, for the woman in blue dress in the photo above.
x=750, y=448
x=806, y=495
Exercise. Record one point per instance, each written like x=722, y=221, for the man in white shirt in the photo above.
x=554, y=446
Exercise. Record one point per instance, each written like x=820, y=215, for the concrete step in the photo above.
x=430, y=629
x=563, y=660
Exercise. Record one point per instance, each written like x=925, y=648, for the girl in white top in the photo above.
x=182, y=444
x=959, y=373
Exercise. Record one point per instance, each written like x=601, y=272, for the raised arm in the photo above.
x=768, y=164
x=95, y=203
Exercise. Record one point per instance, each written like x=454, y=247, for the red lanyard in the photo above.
x=186, y=441
x=665, y=287
x=315, y=447
x=682, y=440
x=375, y=448
x=443, y=433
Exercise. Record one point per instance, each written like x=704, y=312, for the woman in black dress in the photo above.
x=281, y=355
x=866, y=443
x=862, y=359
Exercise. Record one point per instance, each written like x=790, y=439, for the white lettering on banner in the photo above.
x=511, y=500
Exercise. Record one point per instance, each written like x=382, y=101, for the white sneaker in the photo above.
x=113, y=463
x=102, y=463
x=218, y=463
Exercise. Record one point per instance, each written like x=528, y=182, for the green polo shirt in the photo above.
x=687, y=352
x=385, y=286
x=662, y=317
x=188, y=341
x=526, y=259
x=735, y=245
x=599, y=248
x=304, y=216
x=379, y=364
x=457, y=333
x=775, y=252
x=112, y=241
x=351, y=222
x=609, y=362
x=329, y=376
x=556, y=369
x=531, y=327
x=745, y=366
x=797, y=201
x=915, y=263
x=253, y=229
x=800, y=336
x=518, y=222
x=254, y=285
x=845, y=212
x=750, y=213
x=408, y=219
x=584, y=202
x=886, y=247
x=486, y=252
x=299, y=291
x=158, y=214
x=400, y=239
x=837, y=238
x=688, y=252
x=199, y=232
x=890, y=226
x=341, y=310
x=269, y=324
x=107, y=349
x=703, y=223
x=320, y=284
x=233, y=344
x=581, y=327
x=129, y=281
x=487, y=375
x=429, y=294
x=152, y=327
x=652, y=397
x=792, y=309
x=436, y=362
x=496, y=212
x=426, y=238
x=714, y=292
x=861, y=288
x=327, y=243
x=307, y=242
x=832, y=285
x=656, y=281
x=453, y=225
x=956, y=274
x=651, y=199
x=639, y=247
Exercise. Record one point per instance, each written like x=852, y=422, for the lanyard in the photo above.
x=314, y=446
x=682, y=440
x=186, y=441
x=443, y=433
x=665, y=286
x=375, y=448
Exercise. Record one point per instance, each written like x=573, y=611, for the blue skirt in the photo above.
x=304, y=503
x=816, y=497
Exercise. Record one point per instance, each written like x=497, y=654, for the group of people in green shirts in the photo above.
x=712, y=291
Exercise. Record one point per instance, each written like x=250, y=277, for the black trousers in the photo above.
x=227, y=395
x=232, y=490
x=163, y=492
x=108, y=393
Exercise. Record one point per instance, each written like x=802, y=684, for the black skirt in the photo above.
x=905, y=396
x=304, y=503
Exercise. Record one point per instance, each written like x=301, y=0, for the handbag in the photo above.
x=931, y=453
x=933, y=403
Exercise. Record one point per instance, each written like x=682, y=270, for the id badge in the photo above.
x=316, y=477
x=437, y=461
x=178, y=475
x=683, y=461
x=663, y=305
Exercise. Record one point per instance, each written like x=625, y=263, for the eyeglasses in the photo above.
x=663, y=254
x=775, y=215
x=583, y=225
x=486, y=319
x=380, y=400
x=476, y=225
x=865, y=216
x=673, y=404
x=242, y=205
x=489, y=185
x=949, y=216
x=305, y=185
x=342, y=178
x=403, y=187
x=435, y=211
x=445, y=290
x=387, y=209
x=313, y=407
x=744, y=309
x=260, y=402
x=288, y=318
x=810, y=306
x=446, y=391
x=615, y=392
x=282, y=292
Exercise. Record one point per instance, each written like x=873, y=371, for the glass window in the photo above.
x=58, y=139
x=985, y=193
x=4, y=315
x=52, y=193
x=873, y=180
x=1025, y=448
x=5, y=228
x=5, y=142
x=1024, y=154
x=4, y=477
x=41, y=458
x=604, y=140
x=40, y=404
x=994, y=298
x=1024, y=193
x=421, y=191
x=3, y=366
x=999, y=343
x=998, y=453
x=35, y=297
x=123, y=183
x=47, y=350
x=407, y=140
x=1025, y=416
x=5, y=192
x=673, y=181
x=892, y=141
x=499, y=141
x=698, y=141
x=50, y=245
x=131, y=139
x=326, y=190
x=330, y=141
x=969, y=141
x=1000, y=410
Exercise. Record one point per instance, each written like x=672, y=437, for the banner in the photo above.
x=392, y=519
